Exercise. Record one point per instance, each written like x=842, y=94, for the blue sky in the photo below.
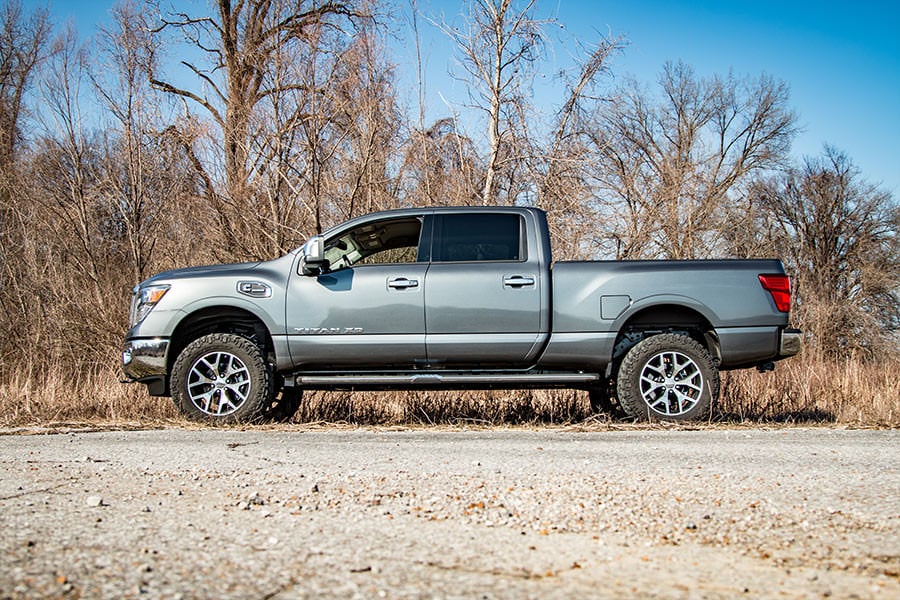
x=840, y=59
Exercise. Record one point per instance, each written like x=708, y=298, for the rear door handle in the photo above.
x=516, y=281
x=402, y=283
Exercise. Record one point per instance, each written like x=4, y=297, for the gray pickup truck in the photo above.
x=453, y=298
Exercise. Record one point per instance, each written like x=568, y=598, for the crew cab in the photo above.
x=453, y=298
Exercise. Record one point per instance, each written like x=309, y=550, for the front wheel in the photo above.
x=222, y=378
x=668, y=376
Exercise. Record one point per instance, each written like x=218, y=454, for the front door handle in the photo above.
x=516, y=281
x=402, y=283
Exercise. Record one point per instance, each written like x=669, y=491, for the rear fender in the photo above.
x=661, y=301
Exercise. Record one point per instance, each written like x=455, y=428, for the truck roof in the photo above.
x=415, y=211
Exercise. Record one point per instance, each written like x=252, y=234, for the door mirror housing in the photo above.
x=314, y=261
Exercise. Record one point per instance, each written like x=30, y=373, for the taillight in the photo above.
x=780, y=288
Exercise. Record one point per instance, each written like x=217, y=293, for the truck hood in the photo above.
x=201, y=272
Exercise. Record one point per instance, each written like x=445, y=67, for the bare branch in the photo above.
x=169, y=88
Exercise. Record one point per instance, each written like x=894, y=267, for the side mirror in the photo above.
x=314, y=261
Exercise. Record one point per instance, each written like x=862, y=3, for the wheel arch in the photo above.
x=666, y=315
x=220, y=319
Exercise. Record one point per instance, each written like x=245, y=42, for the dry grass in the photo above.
x=800, y=391
x=852, y=392
x=57, y=395
x=514, y=407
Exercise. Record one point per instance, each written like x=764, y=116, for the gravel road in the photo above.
x=315, y=513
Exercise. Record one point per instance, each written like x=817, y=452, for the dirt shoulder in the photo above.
x=507, y=514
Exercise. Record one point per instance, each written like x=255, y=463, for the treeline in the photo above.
x=234, y=131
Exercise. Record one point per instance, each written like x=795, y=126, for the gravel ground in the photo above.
x=516, y=513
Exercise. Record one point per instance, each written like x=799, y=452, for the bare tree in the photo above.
x=499, y=47
x=370, y=123
x=668, y=164
x=87, y=207
x=440, y=167
x=71, y=256
x=419, y=128
x=26, y=240
x=565, y=168
x=69, y=156
x=838, y=235
x=242, y=47
x=23, y=44
x=133, y=177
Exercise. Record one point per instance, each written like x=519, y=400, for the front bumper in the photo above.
x=144, y=361
x=790, y=343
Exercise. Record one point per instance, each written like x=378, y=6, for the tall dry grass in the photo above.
x=47, y=397
x=806, y=389
x=801, y=390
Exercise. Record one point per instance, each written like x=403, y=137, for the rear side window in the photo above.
x=478, y=237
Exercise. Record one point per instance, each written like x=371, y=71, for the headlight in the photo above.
x=143, y=299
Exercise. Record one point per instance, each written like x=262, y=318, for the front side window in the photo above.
x=383, y=242
x=479, y=237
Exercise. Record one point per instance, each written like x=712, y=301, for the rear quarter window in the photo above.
x=479, y=237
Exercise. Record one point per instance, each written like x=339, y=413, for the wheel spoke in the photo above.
x=685, y=402
x=207, y=399
x=200, y=379
x=235, y=391
x=687, y=372
x=661, y=399
x=225, y=400
x=690, y=386
x=677, y=367
x=660, y=370
x=230, y=368
x=211, y=366
x=652, y=383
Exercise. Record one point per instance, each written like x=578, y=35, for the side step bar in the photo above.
x=448, y=380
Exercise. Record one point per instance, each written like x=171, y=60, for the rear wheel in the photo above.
x=668, y=376
x=222, y=378
x=601, y=398
x=284, y=406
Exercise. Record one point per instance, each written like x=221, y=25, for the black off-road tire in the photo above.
x=667, y=377
x=222, y=378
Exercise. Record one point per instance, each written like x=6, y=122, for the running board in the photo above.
x=449, y=380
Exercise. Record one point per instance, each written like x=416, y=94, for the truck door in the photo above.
x=367, y=309
x=483, y=291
